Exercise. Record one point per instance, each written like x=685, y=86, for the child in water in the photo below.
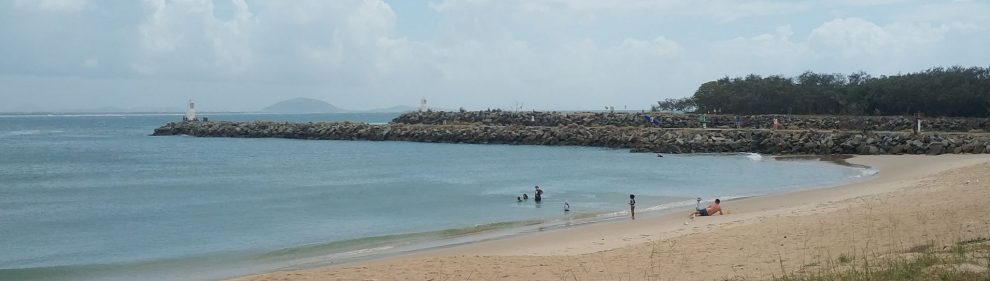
x=567, y=206
x=632, y=205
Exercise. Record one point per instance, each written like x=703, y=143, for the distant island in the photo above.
x=309, y=105
x=303, y=105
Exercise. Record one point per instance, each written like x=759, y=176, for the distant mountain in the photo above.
x=303, y=105
x=394, y=109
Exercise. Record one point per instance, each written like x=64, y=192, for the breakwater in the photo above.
x=668, y=120
x=637, y=139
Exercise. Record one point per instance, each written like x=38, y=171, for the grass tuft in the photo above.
x=967, y=260
x=972, y=241
x=844, y=259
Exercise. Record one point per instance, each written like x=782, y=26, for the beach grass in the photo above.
x=964, y=260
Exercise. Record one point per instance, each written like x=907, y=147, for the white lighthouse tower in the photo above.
x=422, y=105
x=190, y=112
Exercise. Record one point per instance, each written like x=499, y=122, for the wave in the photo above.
x=754, y=156
x=22, y=133
x=27, y=133
x=866, y=172
x=690, y=203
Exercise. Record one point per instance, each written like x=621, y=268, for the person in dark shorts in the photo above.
x=539, y=194
x=708, y=211
x=632, y=205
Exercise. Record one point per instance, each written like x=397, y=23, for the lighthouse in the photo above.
x=422, y=105
x=190, y=112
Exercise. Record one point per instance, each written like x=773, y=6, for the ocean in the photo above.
x=94, y=197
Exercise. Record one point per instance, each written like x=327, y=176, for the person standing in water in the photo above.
x=632, y=205
x=567, y=206
x=539, y=195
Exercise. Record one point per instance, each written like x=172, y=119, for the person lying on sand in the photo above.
x=710, y=210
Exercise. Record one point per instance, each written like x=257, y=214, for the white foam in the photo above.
x=670, y=205
x=365, y=251
x=689, y=203
x=27, y=133
x=23, y=132
x=754, y=156
x=866, y=173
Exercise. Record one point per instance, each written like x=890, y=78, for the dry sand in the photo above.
x=913, y=200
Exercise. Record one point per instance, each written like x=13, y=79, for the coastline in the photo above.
x=561, y=248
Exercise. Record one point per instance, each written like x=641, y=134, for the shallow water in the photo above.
x=95, y=197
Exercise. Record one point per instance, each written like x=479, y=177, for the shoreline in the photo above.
x=615, y=235
x=490, y=232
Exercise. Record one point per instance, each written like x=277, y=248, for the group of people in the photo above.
x=537, y=195
x=712, y=209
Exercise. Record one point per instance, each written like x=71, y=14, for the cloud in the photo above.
x=856, y=37
x=184, y=37
x=659, y=47
x=53, y=5
x=557, y=54
x=853, y=37
x=776, y=45
x=589, y=10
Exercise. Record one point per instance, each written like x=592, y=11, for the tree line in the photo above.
x=953, y=91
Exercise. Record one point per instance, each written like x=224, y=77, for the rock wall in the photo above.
x=668, y=120
x=638, y=139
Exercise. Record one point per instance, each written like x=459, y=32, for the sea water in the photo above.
x=94, y=197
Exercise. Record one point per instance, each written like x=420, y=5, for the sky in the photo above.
x=243, y=55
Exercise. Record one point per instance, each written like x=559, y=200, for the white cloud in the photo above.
x=856, y=3
x=184, y=37
x=722, y=10
x=561, y=54
x=775, y=45
x=856, y=37
x=53, y=5
x=853, y=37
x=659, y=47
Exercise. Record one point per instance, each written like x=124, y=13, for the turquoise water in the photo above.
x=94, y=197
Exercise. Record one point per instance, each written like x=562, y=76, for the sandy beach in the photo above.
x=913, y=200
